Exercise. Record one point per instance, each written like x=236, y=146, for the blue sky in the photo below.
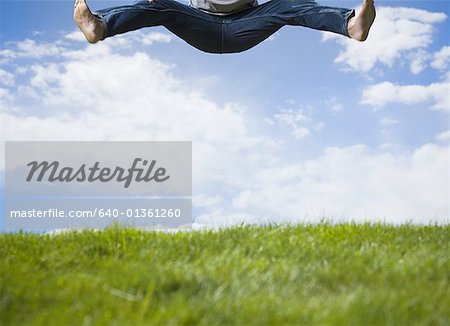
x=305, y=125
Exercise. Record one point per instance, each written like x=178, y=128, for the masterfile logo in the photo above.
x=99, y=168
x=93, y=184
x=54, y=172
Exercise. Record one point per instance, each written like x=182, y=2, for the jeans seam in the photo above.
x=347, y=18
x=271, y=16
x=263, y=16
x=222, y=36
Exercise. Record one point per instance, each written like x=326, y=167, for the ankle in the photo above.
x=355, y=32
x=99, y=30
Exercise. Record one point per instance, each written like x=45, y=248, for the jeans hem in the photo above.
x=349, y=15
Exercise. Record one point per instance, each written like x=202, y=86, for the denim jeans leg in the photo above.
x=199, y=29
x=248, y=28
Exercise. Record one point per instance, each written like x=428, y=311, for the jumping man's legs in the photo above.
x=218, y=34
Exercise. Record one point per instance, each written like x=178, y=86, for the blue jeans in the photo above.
x=229, y=33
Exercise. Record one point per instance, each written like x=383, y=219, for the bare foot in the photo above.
x=359, y=26
x=90, y=25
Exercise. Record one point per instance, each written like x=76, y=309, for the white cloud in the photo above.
x=334, y=104
x=207, y=201
x=6, y=78
x=354, y=183
x=419, y=61
x=5, y=98
x=443, y=136
x=99, y=94
x=296, y=120
x=135, y=37
x=31, y=49
x=38, y=33
x=441, y=59
x=387, y=122
x=240, y=174
x=154, y=37
x=382, y=94
x=397, y=32
x=75, y=36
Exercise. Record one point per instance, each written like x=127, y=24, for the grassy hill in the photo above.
x=312, y=275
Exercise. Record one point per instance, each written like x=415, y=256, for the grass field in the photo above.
x=308, y=275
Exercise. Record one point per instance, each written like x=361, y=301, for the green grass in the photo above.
x=312, y=275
